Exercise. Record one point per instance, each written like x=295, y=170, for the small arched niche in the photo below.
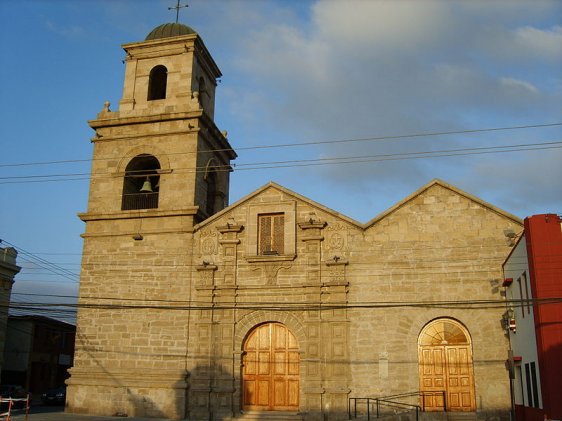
x=141, y=183
x=202, y=91
x=157, y=81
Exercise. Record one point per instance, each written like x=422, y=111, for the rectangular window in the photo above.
x=520, y=377
x=521, y=298
x=535, y=385
x=524, y=276
x=528, y=383
x=271, y=234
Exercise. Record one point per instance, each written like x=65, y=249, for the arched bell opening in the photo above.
x=141, y=184
x=157, y=83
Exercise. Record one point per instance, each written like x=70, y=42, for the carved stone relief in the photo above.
x=270, y=271
x=208, y=243
x=336, y=237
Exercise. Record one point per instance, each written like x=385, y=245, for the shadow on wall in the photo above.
x=214, y=394
x=551, y=372
x=552, y=403
x=122, y=400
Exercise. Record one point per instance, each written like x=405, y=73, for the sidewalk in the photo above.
x=62, y=416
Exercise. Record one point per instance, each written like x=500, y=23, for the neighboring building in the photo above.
x=8, y=269
x=189, y=308
x=533, y=280
x=38, y=352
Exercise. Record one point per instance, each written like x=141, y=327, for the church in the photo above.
x=274, y=306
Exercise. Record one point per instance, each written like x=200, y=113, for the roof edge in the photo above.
x=285, y=190
x=439, y=182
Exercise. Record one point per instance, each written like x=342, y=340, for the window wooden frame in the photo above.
x=287, y=209
x=271, y=238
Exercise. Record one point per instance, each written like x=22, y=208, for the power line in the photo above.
x=167, y=301
x=517, y=260
x=291, y=306
x=398, y=247
x=319, y=142
x=309, y=162
x=412, y=155
x=360, y=158
x=45, y=264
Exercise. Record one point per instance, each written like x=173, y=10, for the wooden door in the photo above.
x=445, y=358
x=432, y=377
x=270, y=373
x=460, y=388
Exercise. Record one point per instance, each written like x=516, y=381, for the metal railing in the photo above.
x=391, y=405
x=8, y=407
x=139, y=201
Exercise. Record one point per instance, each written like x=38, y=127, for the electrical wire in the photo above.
x=291, y=306
x=45, y=264
x=310, y=162
x=320, y=142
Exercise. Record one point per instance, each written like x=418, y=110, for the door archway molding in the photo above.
x=155, y=151
x=409, y=326
x=446, y=319
x=248, y=322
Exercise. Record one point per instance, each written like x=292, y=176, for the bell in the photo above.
x=146, y=187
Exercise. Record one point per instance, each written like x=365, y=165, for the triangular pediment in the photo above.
x=454, y=190
x=265, y=189
x=434, y=183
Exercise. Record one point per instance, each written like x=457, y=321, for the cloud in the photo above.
x=70, y=31
x=530, y=182
x=546, y=43
x=403, y=25
x=375, y=68
x=518, y=85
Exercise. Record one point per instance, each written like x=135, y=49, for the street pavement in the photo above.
x=41, y=413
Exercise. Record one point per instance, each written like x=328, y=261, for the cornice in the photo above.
x=136, y=214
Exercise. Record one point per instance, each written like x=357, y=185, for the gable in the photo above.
x=294, y=221
x=272, y=193
x=439, y=196
x=437, y=200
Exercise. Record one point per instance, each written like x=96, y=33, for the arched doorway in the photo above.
x=270, y=369
x=445, y=364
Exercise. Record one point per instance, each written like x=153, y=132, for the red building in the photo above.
x=533, y=281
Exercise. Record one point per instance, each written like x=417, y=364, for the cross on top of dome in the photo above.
x=177, y=8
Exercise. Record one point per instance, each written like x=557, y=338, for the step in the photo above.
x=269, y=416
x=461, y=416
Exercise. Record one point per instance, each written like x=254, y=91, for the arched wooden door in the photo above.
x=445, y=363
x=270, y=372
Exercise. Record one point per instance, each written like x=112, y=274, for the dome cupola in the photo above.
x=168, y=30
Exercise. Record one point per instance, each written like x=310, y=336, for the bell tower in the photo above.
x=163, y=139
x=160, y=165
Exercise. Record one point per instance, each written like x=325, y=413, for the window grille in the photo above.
x=271, y=234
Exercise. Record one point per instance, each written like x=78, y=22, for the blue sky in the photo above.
x=294, y=72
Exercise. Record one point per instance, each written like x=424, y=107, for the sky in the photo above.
x=366, y=92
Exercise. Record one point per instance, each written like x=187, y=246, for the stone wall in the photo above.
x=440, y=245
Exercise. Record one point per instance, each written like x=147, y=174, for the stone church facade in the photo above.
x=190, y=308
